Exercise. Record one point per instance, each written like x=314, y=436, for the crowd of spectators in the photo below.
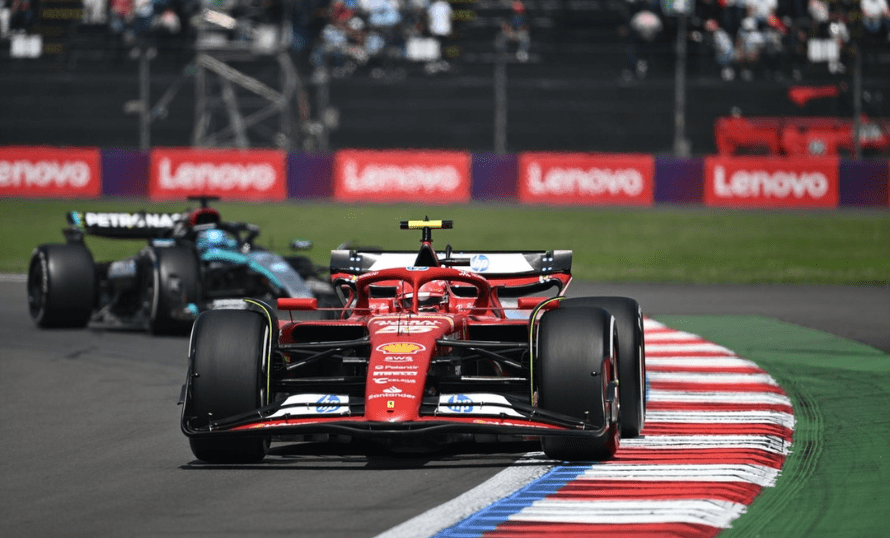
x=744, y=38
x=383, y=33
x=731, y=38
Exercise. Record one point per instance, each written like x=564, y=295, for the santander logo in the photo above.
x=215, y=176
x=777, y=184
x=44, y=173
x=578, y=181
x=415, y=178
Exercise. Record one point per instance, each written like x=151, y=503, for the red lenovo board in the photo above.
x=586, y=179
x=402, y=176
x=791, y=182
x=252, y=175
x=38, y=172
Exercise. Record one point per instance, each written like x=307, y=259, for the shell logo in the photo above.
x=401, y=348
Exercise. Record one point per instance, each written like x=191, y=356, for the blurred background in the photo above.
x=486, y=76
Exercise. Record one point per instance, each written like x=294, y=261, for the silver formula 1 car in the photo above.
x=194, y=261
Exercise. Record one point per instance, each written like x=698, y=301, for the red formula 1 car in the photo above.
x=428, y=346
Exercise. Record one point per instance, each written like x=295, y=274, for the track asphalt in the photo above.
x=91, y=443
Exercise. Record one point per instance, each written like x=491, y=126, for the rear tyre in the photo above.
x=631, y=357
x=576, y=378
x=229, y=355
x=173, y=282
x=61, y=285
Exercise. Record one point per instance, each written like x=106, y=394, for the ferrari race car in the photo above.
x=428, y=347
x=193, y=262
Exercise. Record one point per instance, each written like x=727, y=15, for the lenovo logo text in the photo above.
x=222, y=177
x=760, y=183
x=412, y=178
x=581, y=182
x=42, y=174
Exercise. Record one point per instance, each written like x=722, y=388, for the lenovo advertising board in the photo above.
x=586, y=179
x=402, y=176
x=251, y=175
x=792, y=182
x=44, y=172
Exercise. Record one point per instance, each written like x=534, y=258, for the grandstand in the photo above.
x=577, y=90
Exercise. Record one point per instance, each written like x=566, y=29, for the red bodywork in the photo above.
x=799, y=136
x=405, y=330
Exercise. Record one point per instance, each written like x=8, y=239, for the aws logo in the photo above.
x=401, y=348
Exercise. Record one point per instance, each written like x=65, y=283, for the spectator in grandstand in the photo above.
x=383, y=42
x=750, y=42
x=22, y=16
x=120, y=21
x=733, y=13
x=4, y=20
x=516, y=30
x=724, y=49
x=876, y=19
x=143, y=16
x=640, y=30
x=439, y=15
x=761, y=10
x=95, y=11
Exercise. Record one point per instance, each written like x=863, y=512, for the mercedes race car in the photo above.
x=194, y=261
x=428, y=347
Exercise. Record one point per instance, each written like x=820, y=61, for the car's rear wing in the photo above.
x=490, y=264
x=123, y=225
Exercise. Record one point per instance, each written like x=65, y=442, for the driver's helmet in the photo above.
x=216, y=238
x=431, y=296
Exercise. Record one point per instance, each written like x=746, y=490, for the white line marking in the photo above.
x=687, y=348
x=722, y=417
x=709, y=362
x=751, y=473
x=699, y=512
x=718, y=397
x=495, y=488
x=708, y=378
x=769, y=443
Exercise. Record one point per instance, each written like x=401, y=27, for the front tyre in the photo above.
x=61, y=285
x=229, y=356
x=631, y=357
x=577, y=378
x=172, y=284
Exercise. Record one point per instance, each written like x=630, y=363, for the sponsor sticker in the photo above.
x=459, y=403
x=329, y=403
x=129, y=220
x=401, y=348
x=313, y=404
x=480, y=263
x=399, y=359
x=406, y=329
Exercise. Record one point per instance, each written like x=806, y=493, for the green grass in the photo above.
x=661, y=244
x=838, y=472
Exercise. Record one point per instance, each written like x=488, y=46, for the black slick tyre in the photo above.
x=61, y=285
x=576, y=378
x=172, y=282
x=229, y=356
x=631, y=357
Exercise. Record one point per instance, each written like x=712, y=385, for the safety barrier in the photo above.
x=593, y=179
